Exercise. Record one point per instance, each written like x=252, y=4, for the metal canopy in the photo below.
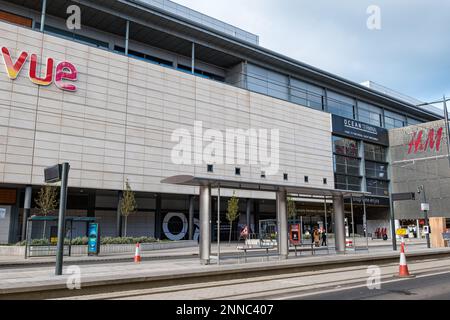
x=193, y=181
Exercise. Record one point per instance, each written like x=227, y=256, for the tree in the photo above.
x=291, y=208
x=232, y=211
x=47, y=202
x=128, y=204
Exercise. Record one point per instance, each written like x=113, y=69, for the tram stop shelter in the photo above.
x=206, y=184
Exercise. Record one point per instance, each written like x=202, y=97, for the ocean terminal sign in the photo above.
x=360, y=130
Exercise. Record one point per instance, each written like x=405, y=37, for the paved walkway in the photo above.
x=180, y=253
x=38, y=278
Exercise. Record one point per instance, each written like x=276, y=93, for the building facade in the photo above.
x=111, y=98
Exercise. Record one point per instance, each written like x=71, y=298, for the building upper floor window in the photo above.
x=370, y=114
x=344, y=146
x=376, y=170
x=378, y=187
x=394, y=120
x=374, y=152
x=341, y=105
x=16, y=19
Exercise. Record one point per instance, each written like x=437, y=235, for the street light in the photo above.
x=421, y=190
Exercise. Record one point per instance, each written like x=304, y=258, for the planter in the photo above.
x=105, y=249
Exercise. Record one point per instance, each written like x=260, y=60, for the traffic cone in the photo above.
x=137, y=255
x=403, y=270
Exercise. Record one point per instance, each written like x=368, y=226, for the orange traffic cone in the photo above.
x=403, y=270
x=137, y=255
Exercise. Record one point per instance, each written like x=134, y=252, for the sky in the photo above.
x=410, y=53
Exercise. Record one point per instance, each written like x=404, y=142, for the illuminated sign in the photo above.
x=432, y=142
x=65, y=71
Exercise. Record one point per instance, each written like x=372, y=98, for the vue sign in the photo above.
x=65, y=71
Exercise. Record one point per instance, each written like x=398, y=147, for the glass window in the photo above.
x=412, y=121
x=376, y=170
x=374, y=152
x=348, y=166
x=307, y=94
x=378, y=187
x=341, y=105
x=348, y=183
x=369, y=114
x=345, y=146
x=394, y=120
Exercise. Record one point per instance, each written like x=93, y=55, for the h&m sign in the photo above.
x=64, y=72
x=423, y=140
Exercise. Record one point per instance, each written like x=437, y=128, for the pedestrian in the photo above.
x=324, y=238
x=316, y=237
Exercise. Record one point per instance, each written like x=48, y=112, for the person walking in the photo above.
x=316, y=237
x=324, y=238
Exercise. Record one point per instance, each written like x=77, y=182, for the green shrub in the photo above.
x=82, y=241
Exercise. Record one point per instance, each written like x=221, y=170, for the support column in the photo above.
x=127, y=36
x=26, y=210
x=339, y=223
x=44, y=8
x=248, y=212
x=205, y=224
x=191, y=217
x=193, y=58
x=158, y=217
x=282, y=223
x=119, y=215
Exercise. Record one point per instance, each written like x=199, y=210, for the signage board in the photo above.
x=404, y=196
x=402, y=232
x=359, y=130
x=446, y=236
x=425, y=206
x=53, y=174
x=370, y=201
x=93, y=239
x=295, y=234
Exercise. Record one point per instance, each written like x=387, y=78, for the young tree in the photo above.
x=291, y=208
x=47, y=202
x=233, y=211
x=128, y=204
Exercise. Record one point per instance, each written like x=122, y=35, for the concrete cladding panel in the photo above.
x=419, y=157
x=118, y=124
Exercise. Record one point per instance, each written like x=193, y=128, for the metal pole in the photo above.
x=127, y=37
x=427, y=223
x=191, y=217
x=44, y=8
x=365, y=222
x=61, y=219
x=26, y=210
x=393, y=233
x=218, y=225
x=205, y=224
x=353, y=222
x=446, y=128
x=326, y=220
x=193, y=58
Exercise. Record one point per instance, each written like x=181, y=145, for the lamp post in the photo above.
x=421, y=189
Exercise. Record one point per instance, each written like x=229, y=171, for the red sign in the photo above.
x=432, y=142
x=294, y=234
x=65, y=71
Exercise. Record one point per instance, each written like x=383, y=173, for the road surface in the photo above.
x=432, y=282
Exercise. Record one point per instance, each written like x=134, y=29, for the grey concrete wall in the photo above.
x=428, y=167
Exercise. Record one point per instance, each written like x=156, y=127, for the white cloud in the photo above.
x=410, y=53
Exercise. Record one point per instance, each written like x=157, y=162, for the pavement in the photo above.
x=169, y=254
x=36, y=282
